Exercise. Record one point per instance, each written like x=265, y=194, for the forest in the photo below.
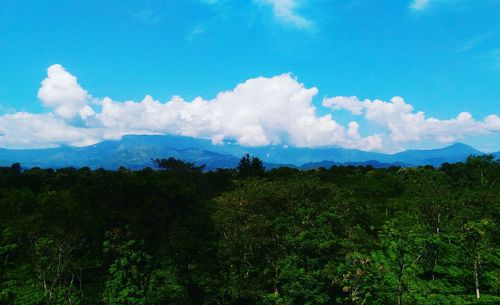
x=174, y=233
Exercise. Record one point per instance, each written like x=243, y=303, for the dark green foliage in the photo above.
x=250, y=167
x=176, y=165
x=181, y=235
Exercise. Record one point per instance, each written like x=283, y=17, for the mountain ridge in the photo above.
x=138, y=151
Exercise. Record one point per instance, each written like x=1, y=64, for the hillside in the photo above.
x=136, y=152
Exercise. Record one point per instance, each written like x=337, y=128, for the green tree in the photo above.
x=402, y=249
x=361, y=279
x=476, y=239
x=176, y=165
x=251, y=167
x=129, y=273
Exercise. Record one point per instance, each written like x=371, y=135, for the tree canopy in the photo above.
x=182, y=235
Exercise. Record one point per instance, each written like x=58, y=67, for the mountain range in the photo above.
x=137, y=151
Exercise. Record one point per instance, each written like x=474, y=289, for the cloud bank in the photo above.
x=260, y=111
x=406, y=125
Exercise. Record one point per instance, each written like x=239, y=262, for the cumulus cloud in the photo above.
x=61, y=92
x=27, y=130
x=492, y=122
x=284, y=10
x=260, y=111
x=407, y=125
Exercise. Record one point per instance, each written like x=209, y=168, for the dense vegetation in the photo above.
x=178, y=235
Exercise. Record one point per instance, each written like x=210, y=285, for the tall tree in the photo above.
x=251, y=166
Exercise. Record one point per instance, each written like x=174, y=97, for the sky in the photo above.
x=366, y=74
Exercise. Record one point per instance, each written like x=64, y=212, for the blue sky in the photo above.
x=439, y=58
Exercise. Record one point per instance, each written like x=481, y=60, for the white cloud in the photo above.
x=406, y=125
x=260, y=111
x=26, y=130
x=61, y=91
x=492, y=122
x=419, y=5
x=349, y=103
x=284, y=10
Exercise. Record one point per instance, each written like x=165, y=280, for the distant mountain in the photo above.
x=133, y=152
x=322, y=157
x=453, y=153
x=137, y=151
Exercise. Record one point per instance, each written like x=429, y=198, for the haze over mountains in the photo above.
x=137, y=151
